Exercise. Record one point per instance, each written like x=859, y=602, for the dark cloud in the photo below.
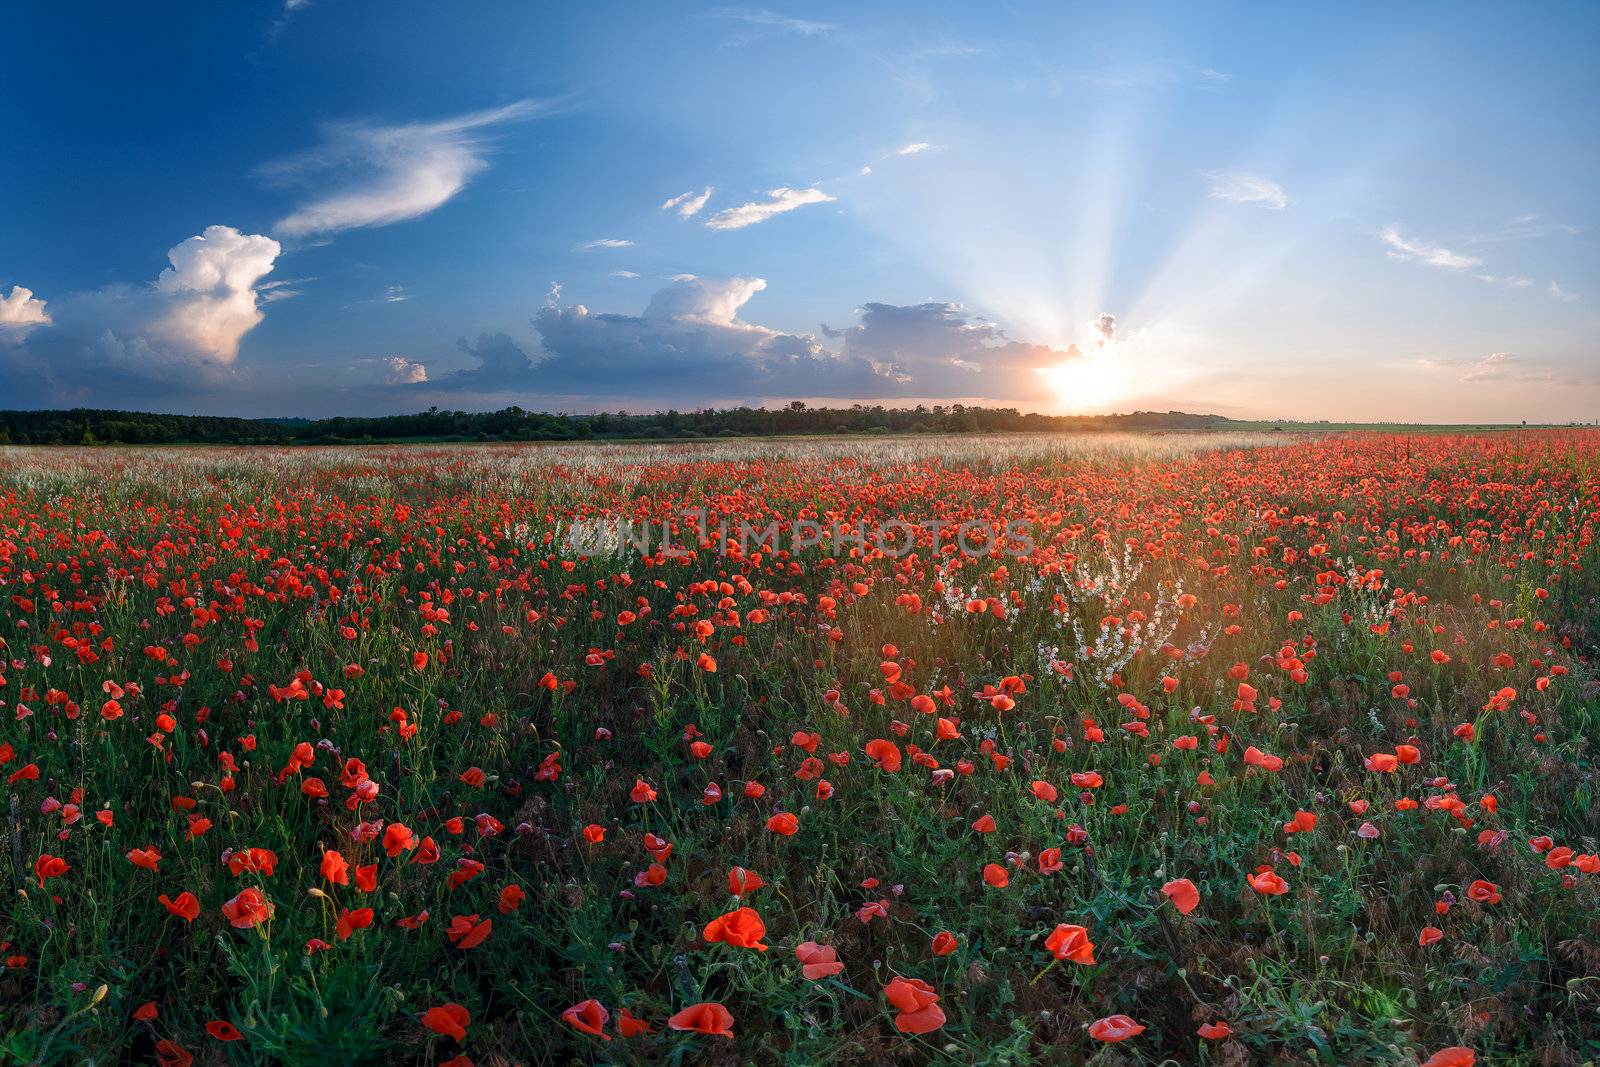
x=690, y=344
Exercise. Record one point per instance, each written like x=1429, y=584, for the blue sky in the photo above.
x=325, y=207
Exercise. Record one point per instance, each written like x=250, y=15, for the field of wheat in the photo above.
x=970, y=750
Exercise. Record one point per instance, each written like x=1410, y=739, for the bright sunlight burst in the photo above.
x=1089, y=384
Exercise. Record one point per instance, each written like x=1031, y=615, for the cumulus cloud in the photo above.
x=22, y=310
x=1104, y=328
x=691, y=342
x=387, y=174
x=180, y=333
x=402, y=371
x=939, y=350
x=688, y=204
x=1241, y=188
x=1405, y=249
x=211, y=290
x=778, y=202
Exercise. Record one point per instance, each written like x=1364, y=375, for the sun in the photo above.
x=1087, y=384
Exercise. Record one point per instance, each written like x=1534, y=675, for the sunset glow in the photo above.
x=1302, y=213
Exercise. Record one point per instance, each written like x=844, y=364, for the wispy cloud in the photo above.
x=779, y=201
x=392, y=173
x=1505, y=367
x=913, y=148
x=1242, y=188
x=1406, y=249
x=688, y=204
x=281, y=289
x=945, y=51
x=623, y=274
x=606, y=242
x=1521, y=228
x=771, y=20
x=1558, y=293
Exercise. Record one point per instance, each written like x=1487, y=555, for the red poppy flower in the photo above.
x=628, y=1025
x=171, y=1054
x=708, y=1017
x=817, y=961
x=1114, y=1028
x=589, y=1017
x=1183, y=894
x=1068, y=942
x=917, y=1005
x=448, y=1020
x=248, y=909
x=186, y=907
x=467, y=932
x=741, y=928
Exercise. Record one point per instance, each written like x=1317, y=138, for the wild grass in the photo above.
x=227, y=594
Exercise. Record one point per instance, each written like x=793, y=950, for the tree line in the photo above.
x=93, y=426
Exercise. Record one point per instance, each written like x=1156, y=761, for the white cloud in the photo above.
x=394, y=172
x=211, y=289
x=22, y=310
x=780, y=201
x=1559, y=293
x=711, y=301
x=1522, y=228
x=126, y=345
x=1104, y=327
x=607, y=242
x=690, y=203
x=1501, y=367
x=913, y=148
x=773, y=20
x=1241, y=188
x=395, y=294
x=1407, y=249
x=864, y=172
x=403, y=371
x=280, y=289
x=623, y=274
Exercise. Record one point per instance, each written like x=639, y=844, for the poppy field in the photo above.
x=1197, y=749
